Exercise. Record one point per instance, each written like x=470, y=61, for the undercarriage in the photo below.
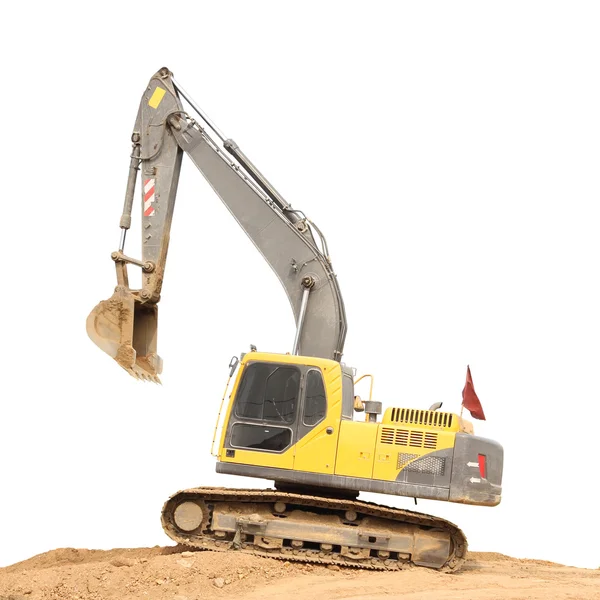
x=312, y=528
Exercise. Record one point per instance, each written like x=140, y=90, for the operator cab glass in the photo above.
x=268, y=392
x=275, y=405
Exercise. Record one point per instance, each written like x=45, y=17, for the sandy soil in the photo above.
x=175, y=574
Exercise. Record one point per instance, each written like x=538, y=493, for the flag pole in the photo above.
x=462, y=404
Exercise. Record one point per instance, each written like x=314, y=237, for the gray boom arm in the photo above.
x=282, y=235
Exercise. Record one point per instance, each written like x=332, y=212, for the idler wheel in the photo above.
x=188, y=516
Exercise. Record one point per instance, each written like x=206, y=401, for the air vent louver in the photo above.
x=407, y=437
x=412, y=416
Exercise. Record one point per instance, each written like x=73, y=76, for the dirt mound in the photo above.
x=176, y=574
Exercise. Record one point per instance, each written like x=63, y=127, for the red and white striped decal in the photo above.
x=149, y=197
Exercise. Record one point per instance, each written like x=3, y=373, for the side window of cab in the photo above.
x=315, y=402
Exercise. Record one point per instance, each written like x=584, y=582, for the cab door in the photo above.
x=317, y=425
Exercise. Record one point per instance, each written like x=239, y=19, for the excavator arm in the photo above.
x=125, y=325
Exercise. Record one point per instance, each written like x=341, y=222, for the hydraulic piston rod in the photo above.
x=236, y=152
x=193, y=104
x=301, y=316
x=134, y=166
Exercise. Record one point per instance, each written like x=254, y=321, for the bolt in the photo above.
x=308, y=281
x=174, y=122
x=351, y=515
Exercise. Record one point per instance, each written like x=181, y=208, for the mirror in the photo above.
x=233, y=363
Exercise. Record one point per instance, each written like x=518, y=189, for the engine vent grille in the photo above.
x=413, y=416
x=431, y=465
x=404, y=459
x=407, y=437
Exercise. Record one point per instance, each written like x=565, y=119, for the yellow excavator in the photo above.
x=292, y=418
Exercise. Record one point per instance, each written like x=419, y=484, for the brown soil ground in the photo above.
x=175, y=574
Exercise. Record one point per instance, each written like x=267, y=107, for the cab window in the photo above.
x=315, y=403
x=260, y=437
x=268, y=392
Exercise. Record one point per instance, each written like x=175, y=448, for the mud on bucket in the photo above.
x=126, y=329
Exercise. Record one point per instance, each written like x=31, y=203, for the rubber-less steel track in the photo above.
x=248, y=509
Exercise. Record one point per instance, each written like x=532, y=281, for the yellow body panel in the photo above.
x=291, y=359
x=356, y=449
x=316, y=451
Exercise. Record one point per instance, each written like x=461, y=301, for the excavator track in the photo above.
x=312, y=529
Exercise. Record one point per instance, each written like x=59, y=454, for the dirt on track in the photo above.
x=176, y=574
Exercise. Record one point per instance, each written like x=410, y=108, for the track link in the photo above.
x=244, y=519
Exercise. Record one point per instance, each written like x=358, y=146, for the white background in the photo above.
x=450, y=152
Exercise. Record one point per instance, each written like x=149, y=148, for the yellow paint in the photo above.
x=156, y=97
x=291, y=359
x=356, y=447
x=315, y=452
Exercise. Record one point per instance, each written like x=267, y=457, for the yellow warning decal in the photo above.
x=156, y=97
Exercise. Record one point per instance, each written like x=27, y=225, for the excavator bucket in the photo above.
x=126, y=330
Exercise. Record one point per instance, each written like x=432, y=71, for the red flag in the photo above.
x=470, y=399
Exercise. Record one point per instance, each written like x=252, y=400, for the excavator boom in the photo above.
x=125, y=325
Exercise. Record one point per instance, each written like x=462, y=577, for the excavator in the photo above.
x=292, y=417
